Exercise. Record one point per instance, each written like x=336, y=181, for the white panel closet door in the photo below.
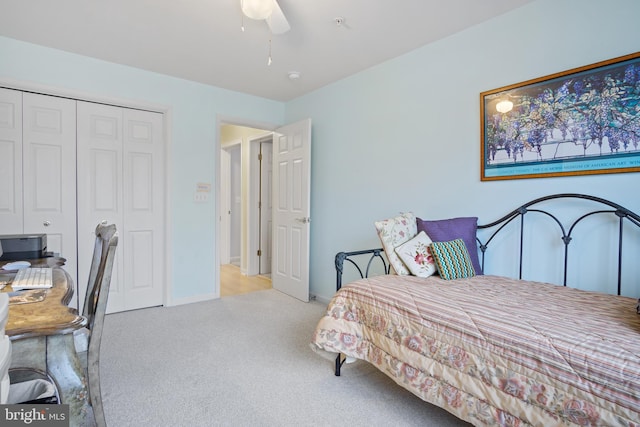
x=121, y=161
x=11, y=216
x=49, y=174
x=143, y=231
x=99, y=189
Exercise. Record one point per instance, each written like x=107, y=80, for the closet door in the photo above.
x=144, y=191
x=11, y=217
x=120, y=170
x=49, y=174
x=99, y=189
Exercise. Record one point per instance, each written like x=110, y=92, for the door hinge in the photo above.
x=260, y=156
x=259, y=252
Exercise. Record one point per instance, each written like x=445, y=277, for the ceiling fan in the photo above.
x=268, y=10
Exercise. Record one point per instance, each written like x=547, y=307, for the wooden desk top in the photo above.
x=50, y=316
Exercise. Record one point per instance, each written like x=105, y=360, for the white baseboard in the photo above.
x=191, y=300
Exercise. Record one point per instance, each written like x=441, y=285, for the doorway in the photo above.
x=291, y=192
x=245, y=191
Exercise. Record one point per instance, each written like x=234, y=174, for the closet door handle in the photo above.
x=304, y=220
x=46, y=223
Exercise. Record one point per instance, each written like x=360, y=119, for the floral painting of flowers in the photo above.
x=581, y=121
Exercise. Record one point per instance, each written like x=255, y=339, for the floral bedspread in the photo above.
x=495, y=351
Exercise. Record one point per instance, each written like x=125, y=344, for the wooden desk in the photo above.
x=42, y=339
x=51, y=315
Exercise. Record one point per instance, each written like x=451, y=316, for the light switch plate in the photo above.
x=200, y=197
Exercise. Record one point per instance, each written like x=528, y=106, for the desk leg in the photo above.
x=64, y=366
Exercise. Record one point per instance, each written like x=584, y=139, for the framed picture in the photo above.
x=577, y=122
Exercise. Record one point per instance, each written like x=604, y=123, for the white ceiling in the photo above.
x=201, y=40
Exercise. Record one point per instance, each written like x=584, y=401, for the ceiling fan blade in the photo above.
x=277, y=21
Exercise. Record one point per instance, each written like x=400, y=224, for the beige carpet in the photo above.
x=242, y=361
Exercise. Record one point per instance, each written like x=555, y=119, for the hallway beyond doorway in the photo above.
x=232, y=282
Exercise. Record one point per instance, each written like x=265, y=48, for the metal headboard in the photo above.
x=341, y=257
x=608, y=208
x=566, y=230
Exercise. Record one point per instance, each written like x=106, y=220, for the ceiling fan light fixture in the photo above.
x=257, y=9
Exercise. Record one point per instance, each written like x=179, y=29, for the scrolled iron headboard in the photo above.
x=608, y=208
x=341, y=257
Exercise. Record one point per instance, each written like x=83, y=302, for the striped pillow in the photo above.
x=452, y=259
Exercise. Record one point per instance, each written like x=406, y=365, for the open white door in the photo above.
x=291, y=209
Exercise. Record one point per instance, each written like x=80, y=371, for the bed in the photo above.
x=495, y=350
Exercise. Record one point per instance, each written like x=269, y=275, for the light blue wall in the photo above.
x=400, y=136
x=405, y=135
x=194, y=108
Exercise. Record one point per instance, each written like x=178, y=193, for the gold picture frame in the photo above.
x=581, y=121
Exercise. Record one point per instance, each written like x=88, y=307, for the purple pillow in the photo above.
x=445, y=230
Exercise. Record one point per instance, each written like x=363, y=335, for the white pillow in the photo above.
x=394, y=232
x=416, y=255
